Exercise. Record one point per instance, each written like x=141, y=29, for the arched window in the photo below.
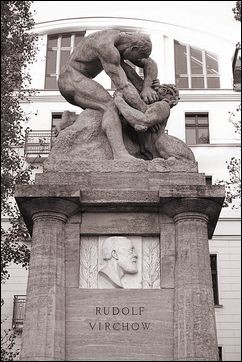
x=195, y=68
x=59, y=48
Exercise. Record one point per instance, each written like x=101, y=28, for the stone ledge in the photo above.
x=119, y=196
x=201, y=191
x=138, y=165
x=128, y=180
x=170, y=200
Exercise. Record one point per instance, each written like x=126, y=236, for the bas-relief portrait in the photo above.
x=120, y=262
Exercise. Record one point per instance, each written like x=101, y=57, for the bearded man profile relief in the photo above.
x=120, y=259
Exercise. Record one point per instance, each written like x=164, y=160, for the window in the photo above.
x=213, y=264
x=59, y=48
x=18, y=312
x=195, y=68
x=56, y=118
x=197, y=130
x=236, y=66
x=220, y=356
x=208, y=180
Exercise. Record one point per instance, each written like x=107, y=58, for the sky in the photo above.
x=213, y=17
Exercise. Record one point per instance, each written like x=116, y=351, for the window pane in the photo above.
x=51, y=61
x=56, y=118
x=202, y=119
x=190, y=120
x=213, y=82
x=182, y=82
x=213, y=264
x=190, y=136
x=66, y=40
x=203, y=136
x=52, y=41
x=50, y=83
x=196, y=61
x=212, y=64
x=220, y=355
x=208, y=180
x=64, y=57
x=180, y=58
x=197, y=82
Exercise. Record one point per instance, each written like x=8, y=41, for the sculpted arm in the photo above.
x=148, y=94
x=110, y=58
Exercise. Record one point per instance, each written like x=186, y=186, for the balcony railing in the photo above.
x=18, y=312
x=37, y=144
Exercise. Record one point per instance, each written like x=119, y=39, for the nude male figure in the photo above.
x=107, y=50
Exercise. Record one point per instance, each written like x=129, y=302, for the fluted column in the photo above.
x=44, y=325
x=194, y=319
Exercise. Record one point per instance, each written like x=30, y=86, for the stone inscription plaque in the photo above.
x=119, y=325
x=119, y=262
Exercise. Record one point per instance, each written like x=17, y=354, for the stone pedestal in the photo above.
x=167, y=313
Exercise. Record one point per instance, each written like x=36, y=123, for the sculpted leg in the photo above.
x=90, y=94
x=111, y=125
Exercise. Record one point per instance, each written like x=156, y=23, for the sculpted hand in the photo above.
x=149, y=95
x=156, y=84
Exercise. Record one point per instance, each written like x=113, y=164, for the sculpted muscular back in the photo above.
x=107, y=50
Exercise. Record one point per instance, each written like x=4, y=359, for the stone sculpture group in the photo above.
x=131, y=123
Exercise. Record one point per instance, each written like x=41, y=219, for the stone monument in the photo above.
x=120, y=220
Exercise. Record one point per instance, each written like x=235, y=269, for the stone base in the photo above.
x=171, y=165
x=94, y=200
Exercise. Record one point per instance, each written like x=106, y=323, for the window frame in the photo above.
x=214, y=274
x=197, y=126
x=220, y=353
x=205, y=75
x=58, y=48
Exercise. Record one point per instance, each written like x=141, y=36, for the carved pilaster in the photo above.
x=44, y=326
x=194, y=327
x=195, y=336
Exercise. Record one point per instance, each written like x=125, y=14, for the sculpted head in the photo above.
x=122, y=250
x=136, y=46
x=168, y=92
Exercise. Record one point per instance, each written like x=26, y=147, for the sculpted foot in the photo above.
x=171, y=160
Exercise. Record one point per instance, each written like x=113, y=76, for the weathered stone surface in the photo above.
x=72, y=252
x=155, y=344
x=80, y=141
x=202, y=199
x=55, y=206
x=83, y=145
x=44, y=327
x=120, y=223
x=194, y=319
x=122, y=179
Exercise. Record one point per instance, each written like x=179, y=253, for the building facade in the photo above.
x=201, y=67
